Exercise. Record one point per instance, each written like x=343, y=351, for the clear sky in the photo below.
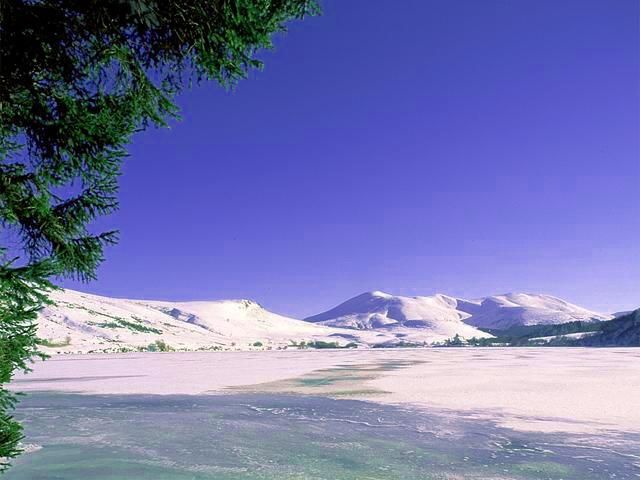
x=458, y=146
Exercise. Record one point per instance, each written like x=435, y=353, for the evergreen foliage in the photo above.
x=532, y=331
x=159, y=346
x=456, y=341
x=623, y=331
x=77, y=79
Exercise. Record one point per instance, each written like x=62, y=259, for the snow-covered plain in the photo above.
x=544, y=389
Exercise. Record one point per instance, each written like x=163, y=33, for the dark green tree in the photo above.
x=456, y=341
x=77, y=79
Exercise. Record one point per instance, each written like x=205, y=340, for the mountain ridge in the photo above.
x=80, y=322
x=83, y=322
x=374, y=309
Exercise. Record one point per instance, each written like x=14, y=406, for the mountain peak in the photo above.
x=374, y=309
x=412, y=319
x=378, y=293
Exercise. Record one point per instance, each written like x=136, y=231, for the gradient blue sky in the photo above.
x=459, y=146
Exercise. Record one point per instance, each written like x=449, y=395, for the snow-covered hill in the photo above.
x=442, y=313
x=512, y=309
x=81, y=322
x=409, y=318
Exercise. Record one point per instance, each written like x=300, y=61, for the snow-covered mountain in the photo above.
x=378, y=310
x=80, y=322
x=513, y=309
x=622, y=313
x=406, y=317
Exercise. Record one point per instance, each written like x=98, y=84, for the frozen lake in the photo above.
x=405, y=414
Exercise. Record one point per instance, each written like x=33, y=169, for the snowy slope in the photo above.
x=621, y=314
x=81, y=322
x=415, y=319
x=512, y=309
x=442, y=313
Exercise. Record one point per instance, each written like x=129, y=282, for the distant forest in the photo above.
x=623, y=331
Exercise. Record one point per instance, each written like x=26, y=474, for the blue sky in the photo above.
x=414, y=147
